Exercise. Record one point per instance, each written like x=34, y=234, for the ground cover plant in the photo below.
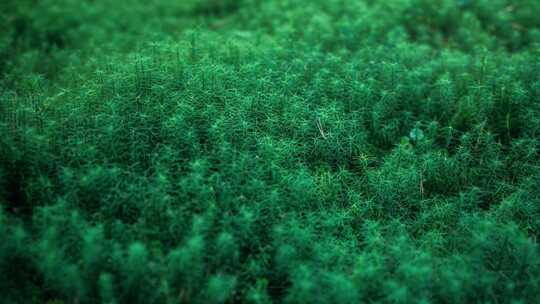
x=280, y=151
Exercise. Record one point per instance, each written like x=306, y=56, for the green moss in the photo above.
x=269, y=151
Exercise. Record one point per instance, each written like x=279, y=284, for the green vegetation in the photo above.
x=280, y=151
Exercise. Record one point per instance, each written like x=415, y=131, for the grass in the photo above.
x=269, y=151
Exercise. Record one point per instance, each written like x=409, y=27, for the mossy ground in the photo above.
x=280, y=151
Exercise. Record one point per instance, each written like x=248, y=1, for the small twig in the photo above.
x=319, y=126
x=479, y=135
x=422, y=186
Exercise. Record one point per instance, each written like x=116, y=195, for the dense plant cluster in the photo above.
x=324, y=151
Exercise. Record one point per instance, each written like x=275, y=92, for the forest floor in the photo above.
x=279, y=151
